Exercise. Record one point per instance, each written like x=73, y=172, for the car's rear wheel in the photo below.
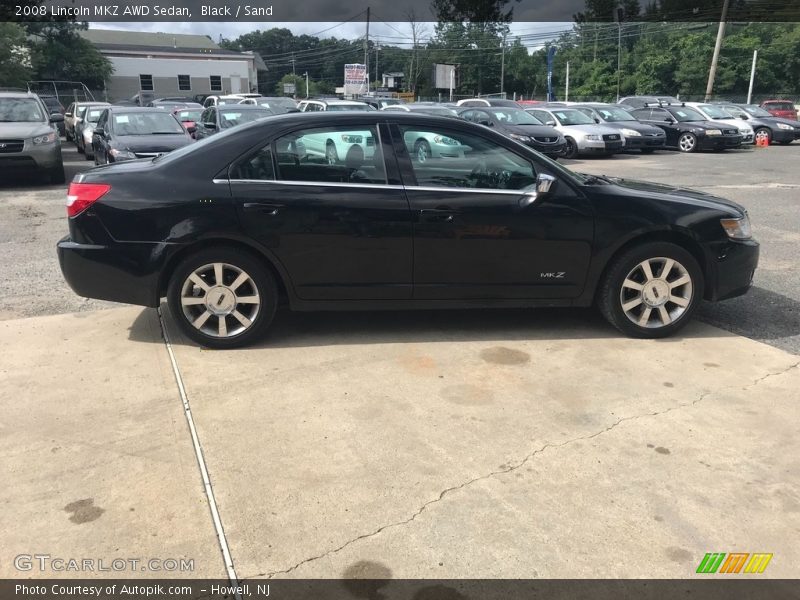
x=331, y=156
x=762, y=135
x=571, y=149
x=222, y=297
x=687, y=142
x=651, y=290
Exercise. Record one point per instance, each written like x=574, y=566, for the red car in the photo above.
x=188, y=117
x=780, y=108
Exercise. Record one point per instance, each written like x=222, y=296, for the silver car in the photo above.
x=582, y=134
x=84, y=130
x=717, y=113
x=28, y=139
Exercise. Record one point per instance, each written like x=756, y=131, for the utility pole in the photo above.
x=366, y=52
x=620, y=16
x=293, y=73
x=712, y=73
x=752, y=76
x=566, y=91
x=503, y=66
x=306, y=76
x=377, y=48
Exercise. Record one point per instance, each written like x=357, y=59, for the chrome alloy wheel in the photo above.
x=656, y=292
x=687, y=142
x=220, y=300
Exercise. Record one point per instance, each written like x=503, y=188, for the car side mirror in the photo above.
x=550, y=123
x=669, y=120
x=69, y=114
x=545, y=184
x=744, y=117
x=597, y=120
x=192, y=129
x=99, y=131
x=210, y=125
x=56, y=118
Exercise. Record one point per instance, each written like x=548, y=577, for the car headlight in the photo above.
x=87, y=135
x=352, y=139
x=631, y=133
x=593, y=137
x=122, y=154
x=440, y=139
x=47, y=138
x=521, y=138
x=713, y=132
x=746, y=132
x=737, y=229
x=784, y=126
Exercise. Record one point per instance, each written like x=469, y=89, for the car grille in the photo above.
x=611, y=137
x=730, y=131
x=659, y=134
x=8, y=146
x=546, y=140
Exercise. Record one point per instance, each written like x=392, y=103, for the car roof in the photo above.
x=18, y=95
x=237, y=107
x=135, y=109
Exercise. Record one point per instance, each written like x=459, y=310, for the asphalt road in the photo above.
x=766, y=181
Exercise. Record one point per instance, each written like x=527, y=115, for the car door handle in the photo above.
x=437, y=215
x=263, y=207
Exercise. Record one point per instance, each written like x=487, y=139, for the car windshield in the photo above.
x=93, y=115
x=232, y=118
x=146, y=123
x=513, y=116
x=572, y=117
x=686, y=114
x=349, y=107
x=20, y=110
x=715, y=112
x=736, y=111
x=757, y=111
x=189, y=115
x=612, y=114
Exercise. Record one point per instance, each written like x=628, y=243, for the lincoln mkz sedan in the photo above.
x=228, y=227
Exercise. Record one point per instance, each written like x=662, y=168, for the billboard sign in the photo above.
x=355, y=79
x=444, y=76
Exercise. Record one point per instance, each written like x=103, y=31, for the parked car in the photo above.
x=780, y=108
x=643, y=101
x=173, y=104
x=29, y=141
x=638, y=136
x=222, y=100
x=500, y=102
x=778, y=129
x=713, y=112
x=128, y=133
x=688, y=130
x=332, y=105
x=428, y=108
x=277, y=104
x=520, y=126
x=74, y=115
x=381, y=103
x=189, y=118
x=218, y=118
x=84, y=130
x=506, y=226
x=581, y=134
x=54, y=106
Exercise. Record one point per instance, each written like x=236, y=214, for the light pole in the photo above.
x=306, y=76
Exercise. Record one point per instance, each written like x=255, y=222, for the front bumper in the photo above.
x=735, y=263
x=719, y=142
x=32, y=157
x=781, y=136
x=552, y=150
x=119, y=272
x=645, y=141
x=600, y=147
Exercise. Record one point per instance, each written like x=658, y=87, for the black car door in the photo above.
x=99, y=142
x=340, y=228
x=473, y=239
x=659, y=118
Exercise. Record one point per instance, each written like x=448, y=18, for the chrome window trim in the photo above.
x=420, y=188
x=426, y=188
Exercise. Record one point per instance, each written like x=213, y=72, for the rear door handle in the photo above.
x=263, y=207
x=437, y=215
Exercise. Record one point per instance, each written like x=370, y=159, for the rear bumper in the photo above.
x=735, y=264
x=120, y=272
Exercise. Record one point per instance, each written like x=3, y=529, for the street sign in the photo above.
x=289, y=88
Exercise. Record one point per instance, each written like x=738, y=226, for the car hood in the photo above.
x=795, y=124
x=533, y=130
x=151, y=143
x=636, y=126
x=589, y=129
x=677, y=193
x=10, y=131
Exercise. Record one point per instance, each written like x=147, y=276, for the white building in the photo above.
x=156, y=65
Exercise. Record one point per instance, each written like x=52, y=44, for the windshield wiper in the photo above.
x=163, y=133
x=594, y=179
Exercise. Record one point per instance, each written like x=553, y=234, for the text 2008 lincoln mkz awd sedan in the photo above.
x=225, y=227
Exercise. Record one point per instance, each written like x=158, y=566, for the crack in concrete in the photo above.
x=511, y=469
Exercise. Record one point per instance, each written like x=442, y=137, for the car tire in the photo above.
x=655, y=305
x=56, y=175
x=571, y=149
x=687, y=142
x=422, y=151
x=331, y=155
x=224, y=320
x=762, y=133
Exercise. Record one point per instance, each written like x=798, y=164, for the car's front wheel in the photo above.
x=422, y=150
x=651, y=290
x=222, y=297
x=571, y=149
x=763, y=136
x=687, y=142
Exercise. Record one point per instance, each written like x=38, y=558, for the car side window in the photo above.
x=543, y=116
x=587, y=111
x=346, y=154
x=256, y=166
x=451, y=159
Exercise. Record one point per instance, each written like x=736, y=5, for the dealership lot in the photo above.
x=430, y=444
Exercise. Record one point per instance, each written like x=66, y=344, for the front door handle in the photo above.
x=263, y=207
x=437, y=215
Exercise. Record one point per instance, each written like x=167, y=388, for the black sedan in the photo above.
x=226, y=227
x=520, y=126
x=218, y=118
x=688, y=130
x=638, y=136
x=127, y=133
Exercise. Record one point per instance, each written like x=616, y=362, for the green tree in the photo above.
x=15, y=59
x=59, y=52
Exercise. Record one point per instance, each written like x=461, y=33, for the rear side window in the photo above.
x=258, y=166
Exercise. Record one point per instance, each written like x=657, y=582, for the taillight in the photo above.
x=81, y=196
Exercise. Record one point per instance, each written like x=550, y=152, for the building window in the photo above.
x=216, y=83
x=184, y=83
x=146, y=83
